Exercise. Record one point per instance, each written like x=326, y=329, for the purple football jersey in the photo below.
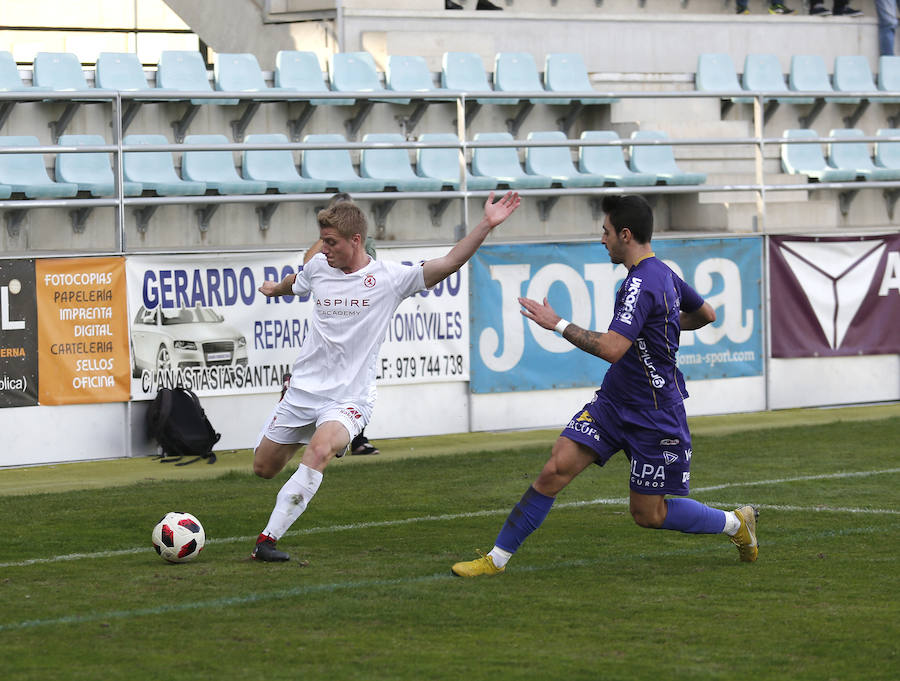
x=646, y=312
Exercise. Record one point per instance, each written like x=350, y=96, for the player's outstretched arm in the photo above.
x=609, y=346
x=700, y=317
x=438, y=269
x=278, y=288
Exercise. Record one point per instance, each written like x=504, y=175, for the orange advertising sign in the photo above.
x=82, y=314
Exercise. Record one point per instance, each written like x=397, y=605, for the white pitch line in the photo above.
x=614, y=501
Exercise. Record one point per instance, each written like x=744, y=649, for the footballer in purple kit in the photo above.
x=639, y=407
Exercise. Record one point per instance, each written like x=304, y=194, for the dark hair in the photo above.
x=631, y=211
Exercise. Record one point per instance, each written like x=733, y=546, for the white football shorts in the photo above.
x=298, y=414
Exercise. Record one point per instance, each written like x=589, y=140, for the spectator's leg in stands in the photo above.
x=887, y=25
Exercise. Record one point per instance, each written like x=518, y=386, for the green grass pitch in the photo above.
x=589, y=596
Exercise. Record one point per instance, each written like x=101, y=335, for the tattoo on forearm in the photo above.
x=586, y=340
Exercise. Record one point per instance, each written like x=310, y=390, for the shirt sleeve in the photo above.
x=633, y=305
x=690, y=299
x=301, y=285
x=406, y=279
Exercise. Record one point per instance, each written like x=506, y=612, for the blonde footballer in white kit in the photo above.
x=332, y=387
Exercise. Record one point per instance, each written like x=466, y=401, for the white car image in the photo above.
x=167, y=340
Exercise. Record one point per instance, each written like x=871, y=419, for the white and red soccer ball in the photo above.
x=178, y=537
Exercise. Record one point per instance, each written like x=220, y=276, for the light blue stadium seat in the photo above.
x=609, y=162
x=10, y=80
x=185, y=71
x=808, y=159
x=216, y=168
x=659, y=160
x=92, y=172
x=391, y=165
x=443, y=164
x=276, y=167
x=516, y=72
x=808, y=74
x=889, y=77
x=503, y=163
x=762, y=72
x=155, y=170
x=334, y=166
x=410, y=74
x=715, y=73
x=238, y=72
x=59, y=71
x=556, y=162
x=121, y=71
x=356, y=72
x=301, y=72
x=887, y=154
x=854, y=155
x=464, y=72
x=566, y=72
x=26, y=173
x=852, y=74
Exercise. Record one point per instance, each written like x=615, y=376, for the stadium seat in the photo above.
x=503, y=164
x=216, y=168
x=238, y=73
x=10, y=80
x=609, y=162
x=410, y=74
x=356, y=72
x=854, y=155
x=59, y=71
x=442, y=163
x=92, y=172
x=26, y=173
x=715, y=73
x=808, y=74
x=659, y=160
x=155, y=170
x=276, y=167
x=516, y=72
x=121, y=71
x=889, y=77
x=391, y=165
x=762, y=72
x=808, y=159
x=566, y=72
x=185, y=71
x=300, y=72
x=334, y=166
x=556, y=162
x=887, y=154
x=464, y=72
x=852, y=74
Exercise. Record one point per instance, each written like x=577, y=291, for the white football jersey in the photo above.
x=351, y=313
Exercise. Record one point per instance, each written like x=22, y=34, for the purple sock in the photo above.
x=524, y=519
x=687, y=515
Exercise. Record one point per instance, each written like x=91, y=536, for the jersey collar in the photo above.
x=643, y=258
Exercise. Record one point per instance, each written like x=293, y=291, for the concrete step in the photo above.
x=688, y=214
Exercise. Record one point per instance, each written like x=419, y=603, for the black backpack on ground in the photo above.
x=178, y=423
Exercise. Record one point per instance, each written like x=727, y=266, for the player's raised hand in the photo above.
x=495, y=213
x=540, y=313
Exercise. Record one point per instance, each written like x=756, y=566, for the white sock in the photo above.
x=501, y=557
x=732, y=523
x=292, y=500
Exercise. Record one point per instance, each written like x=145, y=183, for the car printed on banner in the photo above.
x=168, y=340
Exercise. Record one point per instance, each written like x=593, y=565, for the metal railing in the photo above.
x=12, y=208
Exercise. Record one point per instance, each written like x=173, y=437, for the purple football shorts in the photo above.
x=656, y=441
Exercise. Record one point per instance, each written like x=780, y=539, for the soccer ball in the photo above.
x=178, y=537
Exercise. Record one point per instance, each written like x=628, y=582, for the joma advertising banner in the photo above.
x=18, y=334
x=834, y=296
x=510, y=353
x=200, y=322
x=82, y=330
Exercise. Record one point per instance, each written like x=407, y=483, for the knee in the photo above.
x=647, y=517
x=262, y=467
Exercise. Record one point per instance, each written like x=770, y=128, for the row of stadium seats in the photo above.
x=300, y=72
x=332, y=169
x=807, y=74
x=848, y=159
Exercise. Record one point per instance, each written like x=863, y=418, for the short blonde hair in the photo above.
x=346, y=217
